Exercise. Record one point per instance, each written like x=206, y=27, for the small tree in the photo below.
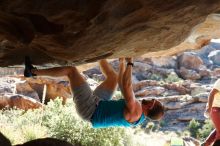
x=206, y=129
x=193, y=128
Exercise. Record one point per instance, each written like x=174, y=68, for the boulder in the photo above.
x=144, y=83
x=26, y=90
x=202, y=97
x=189, y=60
x=173, y=105
x=177, y=87
x=164, y=62
x=18, y=101
x=8, y=84
x=141, y=67
x=21, y=88
x=189, y=74
x=214, y=56
x=204, y=52
x=53, y=88
x=150, y=91
x=215, y=72
x=204, y=72
x=196, y=90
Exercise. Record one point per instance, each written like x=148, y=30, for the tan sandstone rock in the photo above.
x=18, y=101
x=66, y=32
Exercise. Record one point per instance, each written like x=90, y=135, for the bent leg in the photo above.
x=106, y=89
x=84, y=99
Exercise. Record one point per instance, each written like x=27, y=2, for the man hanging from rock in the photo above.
x=97, y=106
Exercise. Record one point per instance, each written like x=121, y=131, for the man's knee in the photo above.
x=69, y=70
x=112, y=80
x=113, y=77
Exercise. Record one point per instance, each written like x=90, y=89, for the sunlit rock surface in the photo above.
x=29, y=93
x=80, y=31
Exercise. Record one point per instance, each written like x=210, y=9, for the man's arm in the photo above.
x=127, y=88
x=121, y=72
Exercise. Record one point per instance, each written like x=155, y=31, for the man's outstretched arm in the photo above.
x=127, y=89
x=121, y=73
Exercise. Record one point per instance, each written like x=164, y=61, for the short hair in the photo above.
x=216, y=143
x=156, y=110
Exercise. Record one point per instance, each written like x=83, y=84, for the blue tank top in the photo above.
x=111, y=114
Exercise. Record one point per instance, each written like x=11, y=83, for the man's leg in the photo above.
x=85, y=101
x=75, y=78
x=109, y=84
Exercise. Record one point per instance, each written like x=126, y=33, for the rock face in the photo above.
x=27, y=93
x=18, y=101
x=80, y=31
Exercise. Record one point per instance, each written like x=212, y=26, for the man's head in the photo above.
x=153, y=109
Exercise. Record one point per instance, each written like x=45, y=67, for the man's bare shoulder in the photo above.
x=133, y=114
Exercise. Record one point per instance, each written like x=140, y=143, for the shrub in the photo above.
x=193, y=128
x=20, y=126
x=156, y=77
x=62, y=122
x=198, y=130
x=206, y=129
x=172, y=77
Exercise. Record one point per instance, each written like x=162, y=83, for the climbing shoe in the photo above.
x=28, y=67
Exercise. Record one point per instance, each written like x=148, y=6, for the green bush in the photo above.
x=172, y=77
x=206, y=129
x=20, y=126
x=200, y=131
x=62, y=122
x=193, y=128
x=156, y=77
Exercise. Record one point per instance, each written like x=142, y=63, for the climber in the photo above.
x=213, y=110
x=96, y=106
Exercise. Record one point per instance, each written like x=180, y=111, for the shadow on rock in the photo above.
x=4, y=141
x=37, y=142
x=47, y=142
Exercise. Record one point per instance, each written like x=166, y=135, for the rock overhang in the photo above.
x=81, y=31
